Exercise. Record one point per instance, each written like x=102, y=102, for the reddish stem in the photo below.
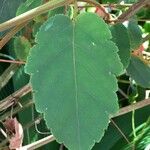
x=12, y=61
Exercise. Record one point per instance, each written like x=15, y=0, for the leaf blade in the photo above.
x=75, y=87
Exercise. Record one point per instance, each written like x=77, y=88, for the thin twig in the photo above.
x=143, y=20
x=123, y=93
x=123, y=81
x=27, y=16
x=3, y=132
x=17, y=109
x=10, y=34
x=124, y=136
x=135, y=106
x=32, y=123
x=134, y=19
x=61, y=147
x=13, y=98
x=146, y=38
x=108, y=5
x=117, y=5
x=132, y=10
x=7, y=74
x=6, y=56
x=12, y=61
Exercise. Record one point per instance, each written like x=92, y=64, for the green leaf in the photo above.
x=122, y=41
x=28, y=5
x=147, y=26
x=59, y=10
x=135, y=35
x=73, y=68
x=139, y=71
x=22, y=47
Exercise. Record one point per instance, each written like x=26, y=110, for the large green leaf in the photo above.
x=73, y=68
x=122, y=41
x=139, y=71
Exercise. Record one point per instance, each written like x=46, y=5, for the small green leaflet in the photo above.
x=139, y=71
x=28, y=5
x=22, y=47
x=135, y=35
x=73, y=68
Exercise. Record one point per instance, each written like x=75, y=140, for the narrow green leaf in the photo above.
x=22, y=47
x=139, y=71
x=73, y=68
x=121, y=38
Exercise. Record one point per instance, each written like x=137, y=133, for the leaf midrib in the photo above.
x=75, y=83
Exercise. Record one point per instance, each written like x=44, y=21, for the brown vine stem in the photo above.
x=132, y=10
x=17, y=109
x=10, y=34
x=135, y=106
x=27, y=16
x=13, y=98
